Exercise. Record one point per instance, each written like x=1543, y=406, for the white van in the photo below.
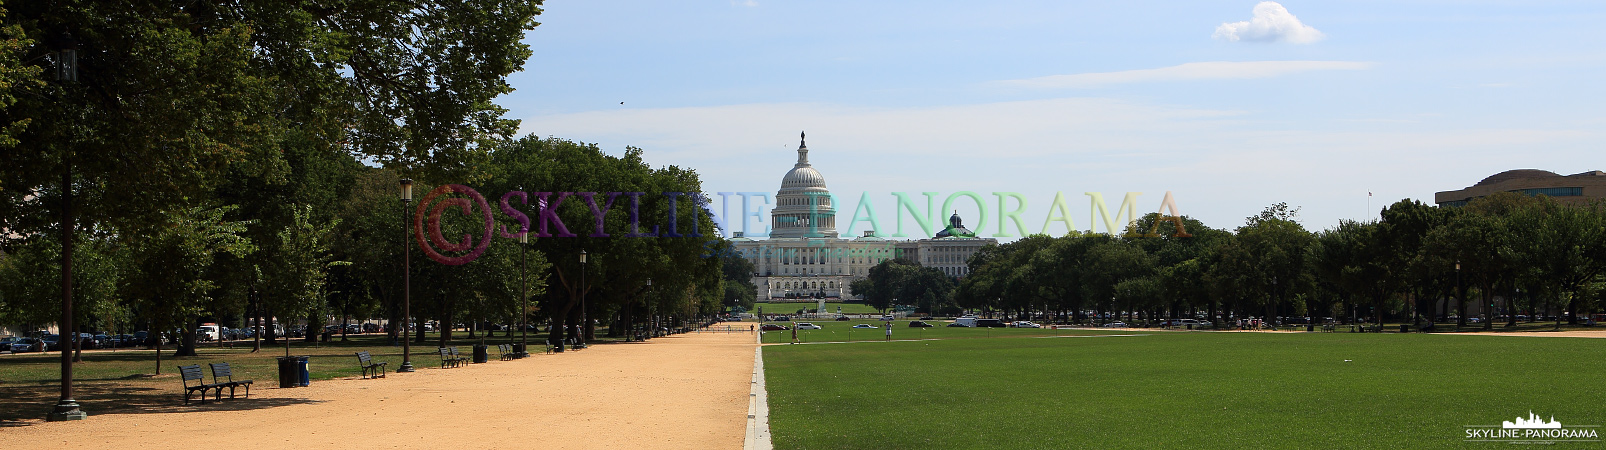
x=209, y=332
x=964, y=321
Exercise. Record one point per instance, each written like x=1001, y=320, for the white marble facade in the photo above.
x=806, y=258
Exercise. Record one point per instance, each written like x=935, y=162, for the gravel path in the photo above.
x=688, y=391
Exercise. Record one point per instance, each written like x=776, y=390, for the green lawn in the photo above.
x=1187, y=390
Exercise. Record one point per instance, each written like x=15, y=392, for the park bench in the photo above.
x=461, y=360
x=193, y=372
x=370, y=369
x=220, y=373
x=549, y=346
x=506, y=350
x=449, y=357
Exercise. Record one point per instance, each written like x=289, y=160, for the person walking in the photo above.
x=794, y=333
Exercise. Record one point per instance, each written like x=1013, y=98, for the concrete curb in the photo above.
x=758, y=408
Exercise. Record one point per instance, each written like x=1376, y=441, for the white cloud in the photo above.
x=1271, y=23
x=1215, y=70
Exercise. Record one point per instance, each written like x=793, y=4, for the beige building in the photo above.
x=1575, y=189
x=805, y=257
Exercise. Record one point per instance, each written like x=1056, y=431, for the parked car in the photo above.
x=1116, y=324
x=841, y=318
x=773, y=327
x=807, y=326
x=1024, y=324
x=919, y=324
x=5, y=343
x=52, y=342
x=24, y=345
x=991, y=323
x=928, y=318
x=865, y=325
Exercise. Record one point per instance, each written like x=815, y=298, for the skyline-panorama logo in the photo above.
x=1532, y=430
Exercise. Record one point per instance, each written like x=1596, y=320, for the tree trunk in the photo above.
x=447, y=322
x=186, y=346
x=314, y=328
x=272, y=331
x=78, y=347
x=158, y=354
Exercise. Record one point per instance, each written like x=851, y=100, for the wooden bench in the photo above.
x=370, y=369
x=449, y=357
x=461, y=360
x=506, y=350
x=223, y=377
x=193, y=372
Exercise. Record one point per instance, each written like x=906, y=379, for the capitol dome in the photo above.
x=803, y=177
x=803, y=205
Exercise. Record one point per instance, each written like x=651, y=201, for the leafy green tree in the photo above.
x=1273, y=248
x=30, y=286
x=167, y=271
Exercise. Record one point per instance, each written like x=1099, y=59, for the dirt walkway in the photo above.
x=686, y=391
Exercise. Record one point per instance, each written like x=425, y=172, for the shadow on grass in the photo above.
x=19, y=404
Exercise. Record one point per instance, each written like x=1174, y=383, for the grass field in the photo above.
x=1176, y=390
x=125, y=379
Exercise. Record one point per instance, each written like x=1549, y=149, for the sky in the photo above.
x=1338, y=108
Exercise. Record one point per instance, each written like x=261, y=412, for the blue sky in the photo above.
x=1229, y=105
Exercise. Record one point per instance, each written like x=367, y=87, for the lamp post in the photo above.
x=407, y=280
x=65, y=53
x=583, y=323
x=524, y=291
x=648, y=300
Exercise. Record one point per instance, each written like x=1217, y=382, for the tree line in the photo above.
x=216, y=162
x=1419, y=263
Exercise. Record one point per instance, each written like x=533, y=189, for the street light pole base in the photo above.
x=406, y=367
x=66, y=410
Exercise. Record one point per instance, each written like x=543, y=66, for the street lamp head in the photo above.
x=649, y=282
x=407, y=189
x=582, y=256
x=1458, y=266
x=524, y=237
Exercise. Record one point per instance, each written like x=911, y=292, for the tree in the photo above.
x=167, y=271
x=297, y=274
x=737, y=278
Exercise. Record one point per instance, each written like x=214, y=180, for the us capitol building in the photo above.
x=804, y=258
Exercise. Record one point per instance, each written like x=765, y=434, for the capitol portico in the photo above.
x=806, y=258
